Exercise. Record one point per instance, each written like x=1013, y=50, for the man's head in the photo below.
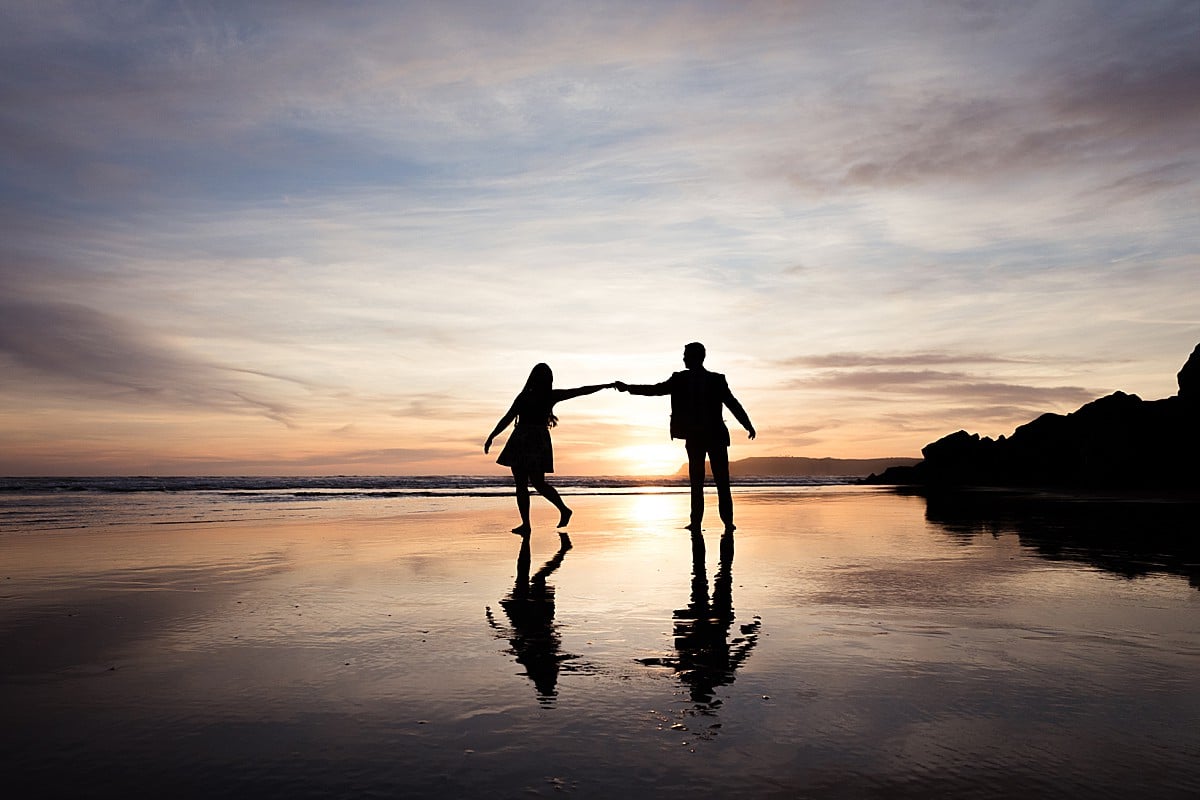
x=693, y=355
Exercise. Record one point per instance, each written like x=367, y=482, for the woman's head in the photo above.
x=538, y=389
x=541, y=379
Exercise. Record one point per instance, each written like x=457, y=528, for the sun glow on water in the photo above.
x=658, y=513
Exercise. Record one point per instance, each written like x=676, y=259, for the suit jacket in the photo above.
x=697, y=397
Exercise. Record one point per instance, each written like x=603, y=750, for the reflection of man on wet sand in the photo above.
x=533, y=634
x=705, y=656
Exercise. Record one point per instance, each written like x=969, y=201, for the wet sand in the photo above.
x=843, y=644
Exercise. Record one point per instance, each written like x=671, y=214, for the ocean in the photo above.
x=55, y=503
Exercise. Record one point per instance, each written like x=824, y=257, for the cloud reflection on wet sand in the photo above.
x=844, y=641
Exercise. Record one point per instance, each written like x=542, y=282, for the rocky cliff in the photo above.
x=1118, y=441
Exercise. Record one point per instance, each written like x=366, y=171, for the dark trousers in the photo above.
x=718, y=461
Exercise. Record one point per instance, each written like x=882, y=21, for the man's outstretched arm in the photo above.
x=645, y=388
x=739, y=413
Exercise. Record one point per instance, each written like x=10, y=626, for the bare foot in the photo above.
x=564, y=517
x=522, y=530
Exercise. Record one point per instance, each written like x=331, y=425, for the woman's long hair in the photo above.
x=538, y=400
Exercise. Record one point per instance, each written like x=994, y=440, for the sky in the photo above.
x=333, y=238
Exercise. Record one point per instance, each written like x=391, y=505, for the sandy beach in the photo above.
x=844, y=643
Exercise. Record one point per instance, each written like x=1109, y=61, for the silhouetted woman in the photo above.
x=528, y=451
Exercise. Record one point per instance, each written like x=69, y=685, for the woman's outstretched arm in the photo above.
x=504, y=422
x=566, y=394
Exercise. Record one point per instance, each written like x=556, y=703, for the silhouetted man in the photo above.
x=697, y=397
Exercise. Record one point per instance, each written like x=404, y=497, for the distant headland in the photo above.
x=1116, y=442
x=800, y=467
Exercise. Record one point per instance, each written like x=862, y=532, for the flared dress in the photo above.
x=529, y=449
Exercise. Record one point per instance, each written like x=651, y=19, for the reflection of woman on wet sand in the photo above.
x=533, y=633
x=705, y=657
x=528, y=451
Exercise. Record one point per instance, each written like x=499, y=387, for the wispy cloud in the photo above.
x=90, y=352
x=952, y=386
x=843, y=360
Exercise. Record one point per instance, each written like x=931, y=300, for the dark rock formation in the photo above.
x=1189, y=378
x=1118, y=441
